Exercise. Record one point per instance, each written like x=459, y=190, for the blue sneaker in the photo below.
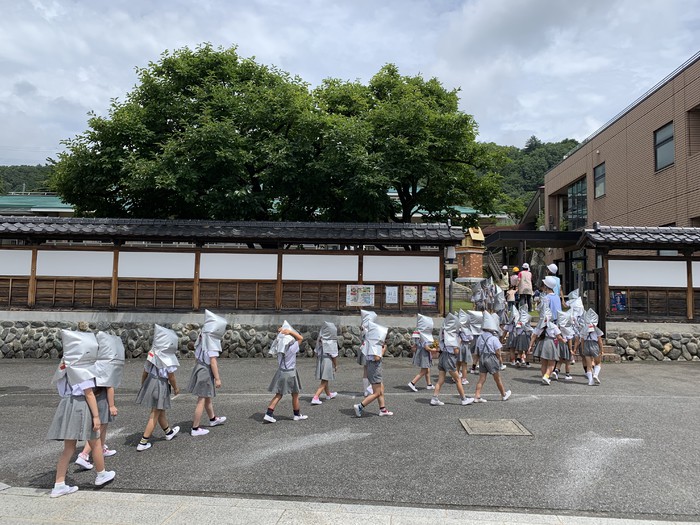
x=358, y=409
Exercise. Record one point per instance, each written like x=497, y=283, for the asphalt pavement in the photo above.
x=627, y=449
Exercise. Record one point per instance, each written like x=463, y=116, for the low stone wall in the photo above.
x=36, y=339
x=655, y=346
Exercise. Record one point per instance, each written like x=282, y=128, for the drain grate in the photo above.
x=494, y=427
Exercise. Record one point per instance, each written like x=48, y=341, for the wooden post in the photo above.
x=31, y=291
x=278, y=285
x=605, y=292
x=690, y=304
x=113, y=291
x=195, y=283
x=441, y=286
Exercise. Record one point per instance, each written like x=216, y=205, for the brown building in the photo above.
x=642, y=169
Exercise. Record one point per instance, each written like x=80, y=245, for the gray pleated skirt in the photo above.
x=472, y=345
x=447, y=362
x=72, y=420
x=422, y=359
x=285, y=382
x=489, y=363
x=510, y=341
x=375, y=372
x=590, y=348
x=324, y=368
x=564, y=352
x=154, y=393
x=522, y=342
x=361, y=359
x=546, y=349
x=465, y=355
x=103, y=407
x=202, y=381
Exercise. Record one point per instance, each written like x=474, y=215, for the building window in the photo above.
x=694, y=131
x=663, y=146
x=599, y=180
x=575, y=207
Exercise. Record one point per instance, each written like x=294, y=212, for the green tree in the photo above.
x=205, y=134
x=24, y=178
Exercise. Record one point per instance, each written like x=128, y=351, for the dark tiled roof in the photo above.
x=55, y=228
x=641, y=237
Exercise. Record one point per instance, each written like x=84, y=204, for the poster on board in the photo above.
x=392, y=294
x=410, y=295
x=359, y=295
x=429, y=296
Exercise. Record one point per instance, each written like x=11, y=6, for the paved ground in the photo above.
x=626, y=449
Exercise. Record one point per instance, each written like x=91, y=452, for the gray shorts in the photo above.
x=447, y=362
x=374, y=372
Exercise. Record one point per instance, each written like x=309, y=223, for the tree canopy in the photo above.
x=208, y=134
x=24, y=178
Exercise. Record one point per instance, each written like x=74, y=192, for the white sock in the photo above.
x=596, y=370
x=59, y=485
x=589, y=375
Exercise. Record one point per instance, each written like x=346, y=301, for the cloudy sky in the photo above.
x=550, y=68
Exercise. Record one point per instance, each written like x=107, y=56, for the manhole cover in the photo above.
x=12, y=389
x=494, y=427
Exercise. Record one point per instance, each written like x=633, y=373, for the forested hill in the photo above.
x=24, y=178
x=522, y=173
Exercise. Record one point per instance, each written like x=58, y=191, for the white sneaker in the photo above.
x=300, y=417
x=546, y=381
x=143, y=446
x=106, y=452
x=218, y=420
x=459, y=374
x=199, y=432
x=104, y=477
x=430, y=387
x=332, y=395
x=385, y=413
x=505, y=397
x=467, y=400
x=596, y=379
x=479, y=400
x=358, y=409
x=80, y=460
x=269, y=419
x=173, y=433
x=316, y=401
x=512, y=363
x=568, y=377
x=554, y=375
x=590, y=382
x=503, y=367
x=436, y=402
x=62, y=491
x=465, y=381
x=412, y=386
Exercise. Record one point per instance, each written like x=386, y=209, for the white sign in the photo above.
x=392, y=294
x=359, y=295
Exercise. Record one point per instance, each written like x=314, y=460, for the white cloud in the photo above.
x=525, y=67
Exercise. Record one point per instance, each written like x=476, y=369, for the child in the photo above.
x=77, y=416
x=286, y=380
x=205, y=378
x=109, y=368
x=509, y=329
x=422, y=358
x=465, y=342
x=447, y=364
x=366, y=317
x=592, y=350
x=475, y=320
x=575, y=305
x=157, y=381
x=510, y=296
x=375, y=348
x=326, y=360
x=489, y=347
x=523, y=331
x=546, y=334
x=566, y=328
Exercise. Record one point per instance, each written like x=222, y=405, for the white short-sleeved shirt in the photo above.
x=160, y=372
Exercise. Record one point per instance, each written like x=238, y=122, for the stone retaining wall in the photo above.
x=36, y=339
x=655, y=346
